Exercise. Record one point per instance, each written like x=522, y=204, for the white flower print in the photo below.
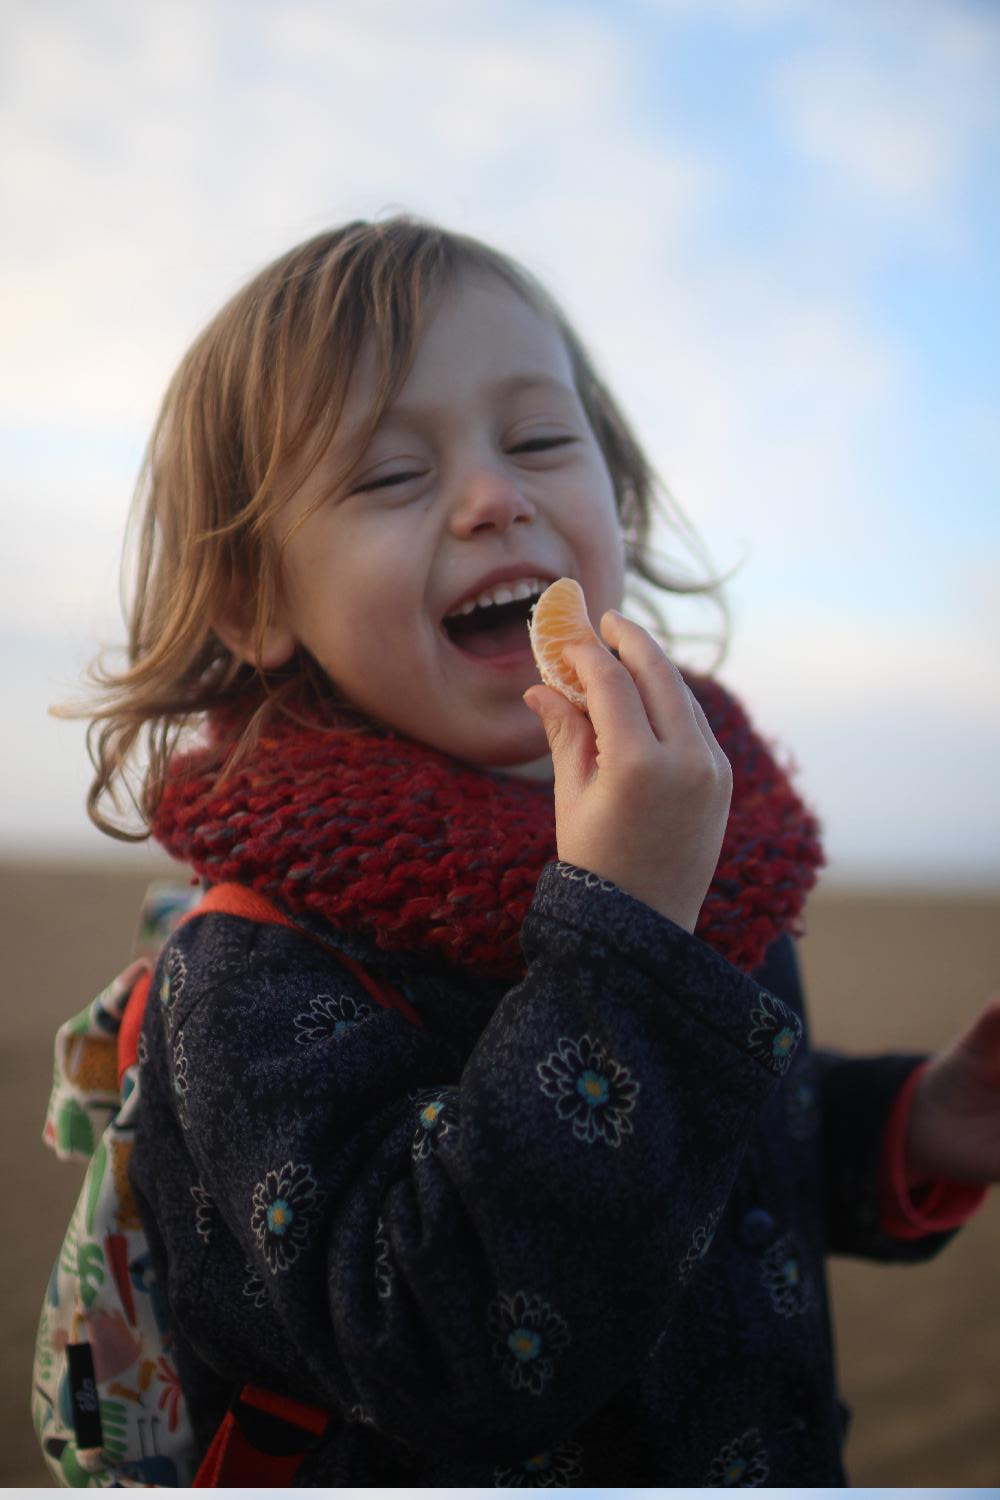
x=700, y=1243
x=329, y=1016
x=174, y=978
x=435, y=1119
x=180, y=1078
x=786, y=1279
x=285, y=1206
x=385, y=1271
x=206, y=1218
x=254, y=1287
x=561, y=1465
x=528, y=1339
x=585, y=877
x=591, y=1089
x=742, y=1464
x=775, y=1033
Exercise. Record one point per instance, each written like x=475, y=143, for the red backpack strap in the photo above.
x=264, y=1437
x=128, y=1032
x=240, y=901
x=262, y=1441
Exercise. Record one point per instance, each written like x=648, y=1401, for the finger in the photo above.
x=706, y=727
x=614, y=705
x=981, y=1037
x=665, y=696
x=568, y=731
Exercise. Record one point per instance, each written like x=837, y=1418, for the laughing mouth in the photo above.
x=496, y=630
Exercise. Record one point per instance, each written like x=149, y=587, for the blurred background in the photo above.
x=776, y=223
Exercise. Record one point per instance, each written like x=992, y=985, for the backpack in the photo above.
x=107, y=1403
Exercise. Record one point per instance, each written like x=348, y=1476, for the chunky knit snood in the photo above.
x=376, y=832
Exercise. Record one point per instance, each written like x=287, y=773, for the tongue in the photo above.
x=495, y=639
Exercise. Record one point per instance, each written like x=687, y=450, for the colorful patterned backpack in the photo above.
x=107, y=1403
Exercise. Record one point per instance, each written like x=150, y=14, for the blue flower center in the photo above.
x=783, y=1041
x=791, y=1270
x=593, y=1087
x=430, y=1115
x=538, y=1464
x=279, y=1215
x=736, y=1471
x=524, y=1344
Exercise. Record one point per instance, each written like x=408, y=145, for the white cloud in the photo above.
x=64, y=515
x=897, y=102
x=827, y=661
x=894, y=730
x=152, y=157
x=760, y=403
x=144, y=176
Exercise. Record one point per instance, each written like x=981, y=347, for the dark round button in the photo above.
x=757, y=1228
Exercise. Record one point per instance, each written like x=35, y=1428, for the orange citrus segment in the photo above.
x=560, y=617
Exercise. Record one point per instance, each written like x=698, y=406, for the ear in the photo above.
x=276, y=647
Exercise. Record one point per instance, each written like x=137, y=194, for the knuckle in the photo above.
x=649, y=651
x=697, y=770
x=602, y=661
x=592, y=660
x=643, y=770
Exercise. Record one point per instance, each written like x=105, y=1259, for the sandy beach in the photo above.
x=919, y=1347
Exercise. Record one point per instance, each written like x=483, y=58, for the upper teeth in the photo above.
x=501, y=593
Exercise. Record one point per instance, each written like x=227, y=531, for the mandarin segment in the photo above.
x=558, y=619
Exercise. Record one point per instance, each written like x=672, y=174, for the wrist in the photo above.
x=918, y=1168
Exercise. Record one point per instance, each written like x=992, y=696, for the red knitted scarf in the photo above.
x=377, y=833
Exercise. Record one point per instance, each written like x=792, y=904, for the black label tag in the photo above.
x=83, y=1395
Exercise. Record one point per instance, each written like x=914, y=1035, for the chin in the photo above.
x=533, y=770
x=539, y=769
x=525, y=755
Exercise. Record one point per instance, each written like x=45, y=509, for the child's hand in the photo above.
x=642, y=787
x=954, y=1127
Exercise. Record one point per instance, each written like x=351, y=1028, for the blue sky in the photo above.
x=775, y=222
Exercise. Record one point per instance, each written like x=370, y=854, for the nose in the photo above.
x=488, y=500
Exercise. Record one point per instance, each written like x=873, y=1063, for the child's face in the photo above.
x=457, y=485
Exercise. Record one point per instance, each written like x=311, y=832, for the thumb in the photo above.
x=567, y=729
x=982, y=1036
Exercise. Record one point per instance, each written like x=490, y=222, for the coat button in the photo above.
x=757, y=1228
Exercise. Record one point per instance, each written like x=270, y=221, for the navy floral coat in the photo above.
x=569, y=1232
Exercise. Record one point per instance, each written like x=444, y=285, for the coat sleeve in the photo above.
x=470, y=1255
x=856, y=1096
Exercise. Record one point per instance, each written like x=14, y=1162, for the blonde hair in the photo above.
x=257, y=398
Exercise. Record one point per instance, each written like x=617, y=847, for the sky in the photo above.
x=774, y=222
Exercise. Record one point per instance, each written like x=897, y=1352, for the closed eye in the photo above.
x=538, y=445
x=531, y=445
x=382, y=484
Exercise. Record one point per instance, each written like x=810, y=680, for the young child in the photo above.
x=557, y=1212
